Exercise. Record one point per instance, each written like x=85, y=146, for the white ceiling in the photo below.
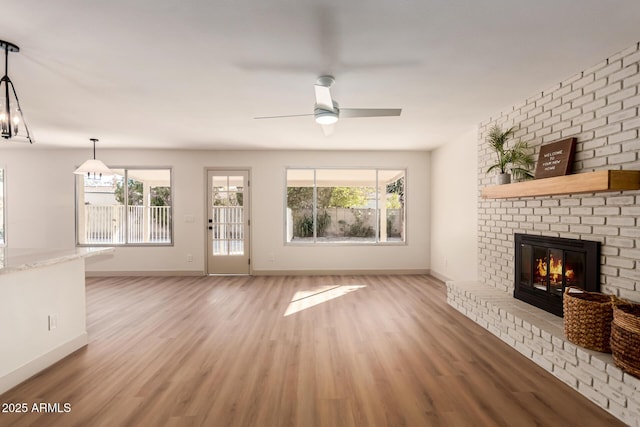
x=193, y=73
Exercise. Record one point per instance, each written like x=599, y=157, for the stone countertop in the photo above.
x=19, y=259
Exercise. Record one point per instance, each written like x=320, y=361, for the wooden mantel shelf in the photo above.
x=590, y=182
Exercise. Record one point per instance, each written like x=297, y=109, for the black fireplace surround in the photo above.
x=545, y=266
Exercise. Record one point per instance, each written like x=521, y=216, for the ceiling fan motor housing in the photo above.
x=326, y=81
x=326, y=117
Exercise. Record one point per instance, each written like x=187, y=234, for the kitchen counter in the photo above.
x=18, y=259
x=42, y=309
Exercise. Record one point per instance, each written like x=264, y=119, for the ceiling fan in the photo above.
x=327, y=111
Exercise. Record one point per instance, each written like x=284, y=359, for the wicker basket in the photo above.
x=625, y=337
x=587, y=318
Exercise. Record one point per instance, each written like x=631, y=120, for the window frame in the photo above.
x=315, y=242
x=3, y=223
x=126, y=217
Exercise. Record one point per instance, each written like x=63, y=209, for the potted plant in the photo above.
x=514, y=161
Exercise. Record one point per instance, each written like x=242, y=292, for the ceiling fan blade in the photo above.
x=323, y=97
x=283, y=117
x=328, y=129
x=369, y=112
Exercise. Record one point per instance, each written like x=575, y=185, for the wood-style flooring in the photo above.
x=351, y=351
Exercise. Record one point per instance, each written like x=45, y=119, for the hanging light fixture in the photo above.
x=12, y=121
x=93, y=166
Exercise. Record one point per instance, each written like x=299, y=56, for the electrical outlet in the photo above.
x=189, y=258
x=53, y=321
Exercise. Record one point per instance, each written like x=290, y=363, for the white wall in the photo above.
x=454, y=209
x=40, y=201
x=39, y=187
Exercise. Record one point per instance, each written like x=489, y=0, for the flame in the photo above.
x=555, y=269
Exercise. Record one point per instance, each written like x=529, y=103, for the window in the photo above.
x=132, y=207
x=345, y=206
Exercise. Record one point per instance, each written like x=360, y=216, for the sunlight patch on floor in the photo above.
x=310, y=298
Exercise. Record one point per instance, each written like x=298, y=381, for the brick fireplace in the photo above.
x=600, y=108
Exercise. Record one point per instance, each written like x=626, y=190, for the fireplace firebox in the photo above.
x=545, y=266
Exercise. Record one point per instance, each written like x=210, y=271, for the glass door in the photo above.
x=228, y=222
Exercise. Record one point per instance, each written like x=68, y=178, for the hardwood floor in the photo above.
x=219, y=351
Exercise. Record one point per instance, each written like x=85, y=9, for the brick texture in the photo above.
x=599, y=107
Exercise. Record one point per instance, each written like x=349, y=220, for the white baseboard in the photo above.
x=258, y=272
x=325, y=272
x=439, y=276
x=144, y=273
x=31, y=368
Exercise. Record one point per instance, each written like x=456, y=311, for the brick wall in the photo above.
x=598, y=106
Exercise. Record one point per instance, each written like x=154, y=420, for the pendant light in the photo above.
x=12, y=121
x=93, y=166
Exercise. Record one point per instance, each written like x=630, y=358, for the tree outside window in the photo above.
x=345, y=205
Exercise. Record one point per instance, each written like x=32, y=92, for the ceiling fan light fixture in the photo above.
x=325, y=117
x=327, y=111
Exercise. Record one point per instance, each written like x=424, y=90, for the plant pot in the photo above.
x=503, y=178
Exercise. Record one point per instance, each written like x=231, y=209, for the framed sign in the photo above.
x=556, y=158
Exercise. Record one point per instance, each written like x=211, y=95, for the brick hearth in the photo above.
x=539, y=336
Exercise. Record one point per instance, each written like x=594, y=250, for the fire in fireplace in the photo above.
x=545, y=266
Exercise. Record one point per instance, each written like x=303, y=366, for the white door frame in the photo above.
x=247, y=213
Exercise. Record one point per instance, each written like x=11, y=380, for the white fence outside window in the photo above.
x=106, y=224
x=228, y=230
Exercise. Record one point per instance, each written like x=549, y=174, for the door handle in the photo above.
x=210, y=228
